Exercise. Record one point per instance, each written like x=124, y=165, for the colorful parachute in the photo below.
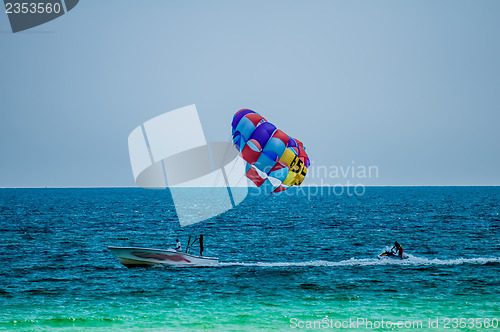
x=275, y=161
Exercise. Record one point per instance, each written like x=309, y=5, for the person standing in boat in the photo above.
x=201, y=244
x=399, y=249
x=178, y=245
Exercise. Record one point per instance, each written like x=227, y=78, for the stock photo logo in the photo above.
x=170, y=151
x=27, y=14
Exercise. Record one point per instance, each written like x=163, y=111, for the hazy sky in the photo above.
x=411, y=87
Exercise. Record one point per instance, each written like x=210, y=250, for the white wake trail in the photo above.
x=411, y=261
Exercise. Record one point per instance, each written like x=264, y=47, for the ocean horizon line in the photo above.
x=307, y=186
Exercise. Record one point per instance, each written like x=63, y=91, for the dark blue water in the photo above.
x=303, y=255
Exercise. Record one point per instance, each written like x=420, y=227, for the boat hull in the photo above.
x=144, y=257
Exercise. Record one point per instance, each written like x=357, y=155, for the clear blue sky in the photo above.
x=412, y=87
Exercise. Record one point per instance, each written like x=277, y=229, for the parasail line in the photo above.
x=147, y=144
x=227, y=187
x=227, y=150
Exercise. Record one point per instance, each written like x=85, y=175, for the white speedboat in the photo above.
x=143, y=257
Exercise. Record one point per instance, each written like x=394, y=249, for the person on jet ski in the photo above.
x=399, y=249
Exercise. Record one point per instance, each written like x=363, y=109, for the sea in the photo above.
x=304, y=259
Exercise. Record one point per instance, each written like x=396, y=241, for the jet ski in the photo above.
x=390, y=255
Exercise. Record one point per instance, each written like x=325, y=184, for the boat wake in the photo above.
x=411, y=261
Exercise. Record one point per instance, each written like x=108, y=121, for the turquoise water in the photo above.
x=286, y=261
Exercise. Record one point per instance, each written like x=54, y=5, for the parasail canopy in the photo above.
x=275, y=161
